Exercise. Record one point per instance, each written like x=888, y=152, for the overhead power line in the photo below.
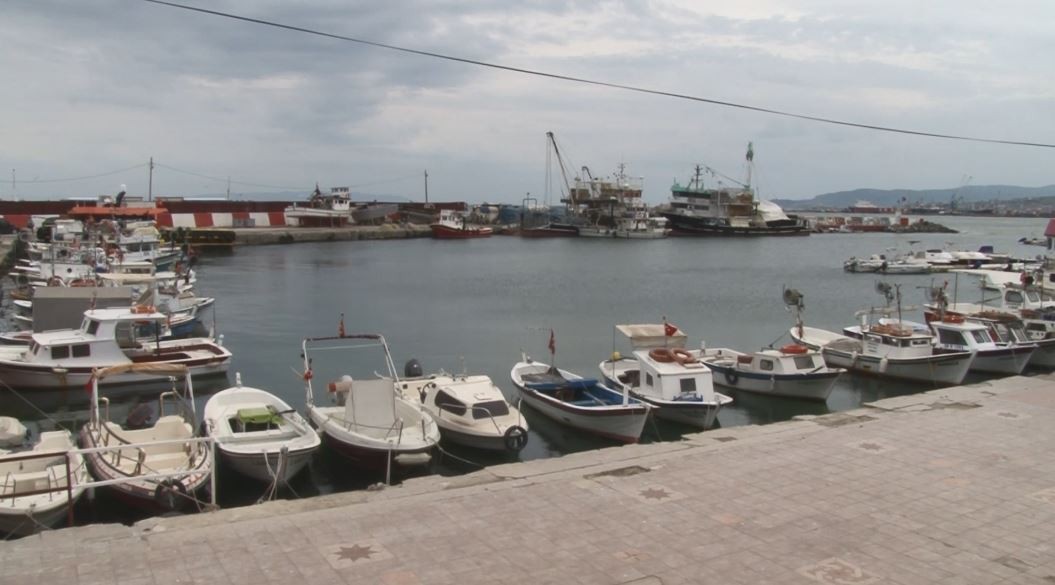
x=225, y=180
x=599, y=83
x=119, y=171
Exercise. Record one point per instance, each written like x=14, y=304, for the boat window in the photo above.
x=1013, y=296
x=489, y=409
x=874, y=338
x=93, y=326
x=688, y=385
x=648, y=379
x=804, y=362
x=124, y=335
x=33, y=347
x=1033, y=296
x=59, y=352
x=82, y=350
x=449, y=403
x=920, y=341
x=981, y=336
x=766, y=365
x=949, y=337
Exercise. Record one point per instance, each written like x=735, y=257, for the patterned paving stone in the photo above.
x=342, y=556
x=836, y=571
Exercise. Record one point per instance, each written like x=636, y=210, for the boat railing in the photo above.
x=188, y=443
x=54, y=485
x=489, y=415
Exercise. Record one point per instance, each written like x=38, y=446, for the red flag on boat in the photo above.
x=669, y=330
x=552, y=343
x=340, y=326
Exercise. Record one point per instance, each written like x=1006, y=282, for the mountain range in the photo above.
x=893, y=197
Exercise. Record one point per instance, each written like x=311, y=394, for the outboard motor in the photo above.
x=412, y=369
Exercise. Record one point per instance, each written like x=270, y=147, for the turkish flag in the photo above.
x=669, y=330
x=552, y=342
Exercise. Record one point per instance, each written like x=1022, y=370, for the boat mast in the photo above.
x=150, y=181
x=426, y=187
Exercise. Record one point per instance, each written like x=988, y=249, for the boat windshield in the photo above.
x=981, y=336
x=950, y=337
x=490, y=409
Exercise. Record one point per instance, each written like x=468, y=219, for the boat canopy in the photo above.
x=652, y=335
x=145, y=368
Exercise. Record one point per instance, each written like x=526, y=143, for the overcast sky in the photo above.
x=95, y=87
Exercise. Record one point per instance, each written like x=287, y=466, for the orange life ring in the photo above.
x=794, y=348
x=682, y=356
x=142, y=309
x=950, y=318
x=661, y=354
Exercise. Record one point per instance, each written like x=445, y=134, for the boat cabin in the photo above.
x=674, y=380
x=103, y=338
x=958, y=335
x=788, y=361
x=472, y=398
x=896, y=340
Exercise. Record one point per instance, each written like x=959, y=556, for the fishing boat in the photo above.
x=453, y=225
x=888, y=349
x=369, y=422
x=698, y=211
x=580, y=403
x=792, y=371
x=953, y=334
x=160, y=467
x=258, y=434
x=65, y=358
x=39, y=483
x=469, y=409
x=664, y=375
x=333, y=210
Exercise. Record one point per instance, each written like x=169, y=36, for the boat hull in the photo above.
x=693, y=226
x=262, y=466
x=374, y=453
x=623, y=424
x=805, y=386
x=939, y=369
x=19, y=522
x=444, y=232
x=1044, y=356
x=1006, y=360
x=487, y=442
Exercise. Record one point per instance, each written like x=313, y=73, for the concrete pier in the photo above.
x=954, y=486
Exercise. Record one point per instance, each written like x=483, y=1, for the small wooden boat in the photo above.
x=258, y=434
x=582, y=403
x=36, y=487
x=160, y=467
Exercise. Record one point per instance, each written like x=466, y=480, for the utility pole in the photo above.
x=150, y=184
x=426, y=187
x=228, y=188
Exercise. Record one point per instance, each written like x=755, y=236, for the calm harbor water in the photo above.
x=475, y=305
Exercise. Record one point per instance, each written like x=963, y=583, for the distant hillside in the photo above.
x=891, y=197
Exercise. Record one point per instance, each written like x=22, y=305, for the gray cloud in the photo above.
x=107, y=84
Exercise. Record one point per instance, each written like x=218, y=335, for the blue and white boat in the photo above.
x=581, y=403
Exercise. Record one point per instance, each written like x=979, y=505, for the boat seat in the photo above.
x=587, y=402
x=371, y=404
x=30, y=481
x=166, y=461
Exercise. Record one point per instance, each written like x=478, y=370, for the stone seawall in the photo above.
x=292, y=235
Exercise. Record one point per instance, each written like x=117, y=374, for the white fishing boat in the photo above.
x=580, y=403
x=369, y=422
x=65, y=358
x=664, y=375
x=792, y=371
x=469, y=409
x=321, y=210
x=159, y=467
x=453, y=225
x=259, y=434
x=37, y=488
x=953, y=334
x=888, y=349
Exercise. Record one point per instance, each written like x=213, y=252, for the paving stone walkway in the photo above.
x=954, y=486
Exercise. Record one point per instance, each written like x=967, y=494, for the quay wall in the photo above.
x=292, y=235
